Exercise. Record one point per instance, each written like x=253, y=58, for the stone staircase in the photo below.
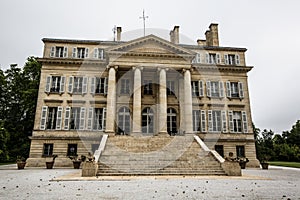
x=158, y=155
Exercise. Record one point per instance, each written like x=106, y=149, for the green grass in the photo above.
x=285, y=164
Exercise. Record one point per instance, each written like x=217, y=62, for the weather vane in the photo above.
x=114, y=32
x=144, y=20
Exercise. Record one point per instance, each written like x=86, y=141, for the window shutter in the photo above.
x=208, y=90
x=221, y=86
x=82, y=118
x=93, y=83
x=203, y=121
x=59, y=118
x=70, y=86
x=84, y=85
x=102, y=54
x=245, y=123
x=62, y=84
x=52, y=52
x=104, y=119
x=96, y=50
x=241, y=90
x=207, y=58
x=210, y=121
x=90, y=119
x=48, y=84
x=201, y=89
x=218, y=58
x=198, y=58
x=224, y=121
x=226, y=59
x=230, y=116
x=65, y=52
x=67, y=118
x=86, y=53
x=74, y=52
x=228, y=88
x=237, y=59
x=44, y=117
x=105, y=85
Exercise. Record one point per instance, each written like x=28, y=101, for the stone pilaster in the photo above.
x=137, y=101
x=111, y=101
x=162, y=111
x=188, y=102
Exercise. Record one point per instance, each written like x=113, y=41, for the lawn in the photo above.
x=285, y=164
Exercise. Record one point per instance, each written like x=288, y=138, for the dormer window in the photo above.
x=80, y=52
x=99, y=53
x=212, y=58
x=232, y=59
x=59, y=52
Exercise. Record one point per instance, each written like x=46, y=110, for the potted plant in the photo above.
x=49, y=164
x=264, y=162
x=21, y=162
x=242, y=161
x=77, y=161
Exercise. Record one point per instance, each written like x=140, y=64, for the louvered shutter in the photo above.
x=245, y=122
x=237, y=59
x=241, y=90
x=210, y=121
x=203, y=121
x=104, y=119
x=65, y=55
x=62, y=84
x=230, y=120
x=221, y=88
x=52, y=52
x=90, y=119
x=207, y=58
x=102, y=54
x=67, y=118
x=105, y=85
x=70, y=85
x=226, y=59
x=74, y=52
x=84, y=85
x=218, y=58
x=44, y=118
x=96, y=53
x=48, y=84
x=228, y=89
x=86, y=53
x=82, y=118
x=59, y=118
x=201, y=89
x=93, y=83
x=208, y=89
x=198, y=58
x=224, y=121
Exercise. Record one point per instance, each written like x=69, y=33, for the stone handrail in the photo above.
x=98, y=152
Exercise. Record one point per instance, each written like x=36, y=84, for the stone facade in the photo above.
x=144, y=87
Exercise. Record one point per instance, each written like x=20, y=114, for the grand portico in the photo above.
x=144, y=87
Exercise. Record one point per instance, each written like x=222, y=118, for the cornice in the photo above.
x=68, y=61
x=230, y=68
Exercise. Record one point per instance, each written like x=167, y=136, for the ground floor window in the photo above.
x=240, y=151
x=171, y=121
x=48, y=150
x=124, y=120
x=72, y=150
x=220, y=150
x=147, y=121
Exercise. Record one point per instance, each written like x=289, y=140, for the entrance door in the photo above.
x=171, y=121
x=147, y=121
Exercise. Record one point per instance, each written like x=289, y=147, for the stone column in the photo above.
x=137, y=101
x=162, y=107
x=181, y=103
x=188, y=102
x=111, y=101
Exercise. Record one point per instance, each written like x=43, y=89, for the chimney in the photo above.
x=119, y=31
x=214, y=36
x=208, y=38
x=201, y=42
x=174, y=35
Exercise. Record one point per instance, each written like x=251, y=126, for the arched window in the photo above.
x=147, y=121
x=171, y=121
x=124, y=120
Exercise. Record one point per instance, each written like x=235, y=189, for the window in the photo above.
x=48, y=149
x=99, y=53
x=96, y=119
x=170, y=88
x=75, y=118
x=51, y=121
x=238, y=121
x=215, y=89
x=55, y=84
x=235, y=89
x=72, y=150
x=80, y=52
x=51, y=118
x=98, y=85
x=240, y=151
x=197, y=88
x=77, y=85
x=59, y=52
x=147, y=121
x=171, y=121
x=125, y=86
x=220, y=150
x=212, y=58
x=196, y=120
x=217, y=121
x=148, y=87
x=197, y=58
x=232, y=59
x=124, y=121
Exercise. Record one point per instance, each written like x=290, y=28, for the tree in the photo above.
x=292, y=137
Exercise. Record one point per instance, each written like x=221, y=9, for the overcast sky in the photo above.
x=270, y=30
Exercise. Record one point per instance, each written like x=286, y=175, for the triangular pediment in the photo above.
x=151, y=44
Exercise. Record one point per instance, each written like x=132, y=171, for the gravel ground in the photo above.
x=275, y=183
